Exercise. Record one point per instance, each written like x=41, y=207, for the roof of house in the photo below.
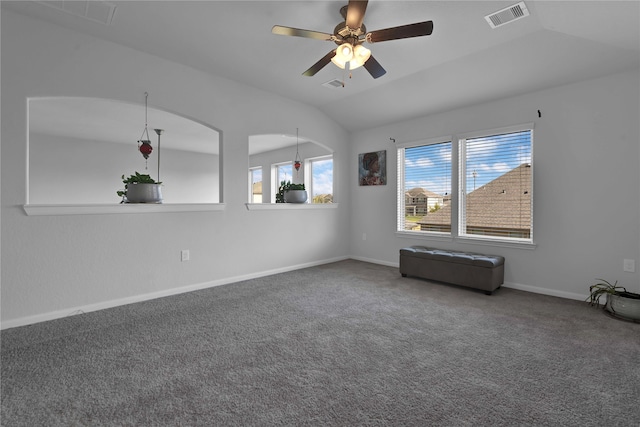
x=504, y=202
x=421, y=192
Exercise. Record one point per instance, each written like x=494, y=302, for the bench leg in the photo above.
x=404, y=275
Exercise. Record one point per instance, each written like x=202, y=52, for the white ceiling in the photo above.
x=463, y=62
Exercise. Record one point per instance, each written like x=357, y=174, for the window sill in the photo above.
x=497, y=242
x=438, y=237
x=468, y=240
x=126, y=208
x=289, y=206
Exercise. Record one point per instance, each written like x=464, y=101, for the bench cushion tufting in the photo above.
x=470, y=258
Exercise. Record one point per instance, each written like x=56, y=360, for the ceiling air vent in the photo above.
x=97, y=11
x=508, y=14
x=333, y=84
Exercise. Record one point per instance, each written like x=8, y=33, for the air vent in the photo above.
x=506, y=15
x=333, y=84
x=96, y=10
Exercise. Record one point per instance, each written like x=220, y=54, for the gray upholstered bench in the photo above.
x=484, y=272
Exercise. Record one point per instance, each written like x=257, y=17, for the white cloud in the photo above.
x=420, y=162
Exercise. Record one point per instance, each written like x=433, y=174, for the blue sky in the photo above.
x=429, y=166
x=322, y=177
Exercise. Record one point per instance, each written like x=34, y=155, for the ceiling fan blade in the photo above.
x=320, y=64
x=289, y=31
x=355, y=13
x=374, y=68
x=402, y=32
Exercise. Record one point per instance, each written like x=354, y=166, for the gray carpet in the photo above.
x=348, y=343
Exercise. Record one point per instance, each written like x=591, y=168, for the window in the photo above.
x=319, y=179
x=495, y=185
x=280, y=172
x=284, y=172
x=424, y=187
x=493, y=197
x=255, y=185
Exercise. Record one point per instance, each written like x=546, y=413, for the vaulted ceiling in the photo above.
x=463, y=62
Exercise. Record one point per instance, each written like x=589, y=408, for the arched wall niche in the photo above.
x=78, y=148
x=268, y=150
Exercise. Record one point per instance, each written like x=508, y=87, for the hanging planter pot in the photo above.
x=295, y=193
x=295, y=196
x=140, y=188
x=144, y=193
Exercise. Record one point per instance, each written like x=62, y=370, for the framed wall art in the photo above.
x=372, y=168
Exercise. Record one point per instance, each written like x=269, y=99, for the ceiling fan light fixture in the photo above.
x=338, y=61
x=356, y=56
x=345, y=52
x=360, y=55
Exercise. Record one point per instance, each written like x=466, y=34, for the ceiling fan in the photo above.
x=350, y=35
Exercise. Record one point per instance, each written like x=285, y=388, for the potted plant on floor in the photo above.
x=619, y=302
x=140, y=188
x=291, y=193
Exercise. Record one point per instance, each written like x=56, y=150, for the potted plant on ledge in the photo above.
x=620, y=303
x=291, y=193
x=140, y=188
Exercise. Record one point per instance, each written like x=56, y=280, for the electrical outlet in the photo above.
x=184, y=255
x=364, y=236
x=629, y=265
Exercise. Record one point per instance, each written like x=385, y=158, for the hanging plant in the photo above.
x=137, y=178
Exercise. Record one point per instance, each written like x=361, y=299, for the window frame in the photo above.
x=251, y=172
x=401, y=190
x=461, y=199
x=308, y=175
x=275, y=182
x=457, y=186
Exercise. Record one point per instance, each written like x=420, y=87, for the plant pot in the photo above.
x=144, y=193
x=625, y=305
x=295, y=196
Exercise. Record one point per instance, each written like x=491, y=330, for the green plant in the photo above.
x=284, y=187
x=435, y=208
x=138, y=178
x=603, y=287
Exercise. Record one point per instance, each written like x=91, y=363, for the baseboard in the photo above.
x=29, y=320
x=518, y=286
x=53, y=315
x=546, y=291
x=376, y=261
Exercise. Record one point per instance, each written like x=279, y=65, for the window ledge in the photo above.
x=289, y=206
x=497, y=242
x=125, y=208
x=422, y=235
x=468, y=240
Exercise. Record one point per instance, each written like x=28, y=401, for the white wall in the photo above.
x=586, y=179
x=54, y=265
x=72, y=171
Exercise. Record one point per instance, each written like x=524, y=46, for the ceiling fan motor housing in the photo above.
x=345, y=34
